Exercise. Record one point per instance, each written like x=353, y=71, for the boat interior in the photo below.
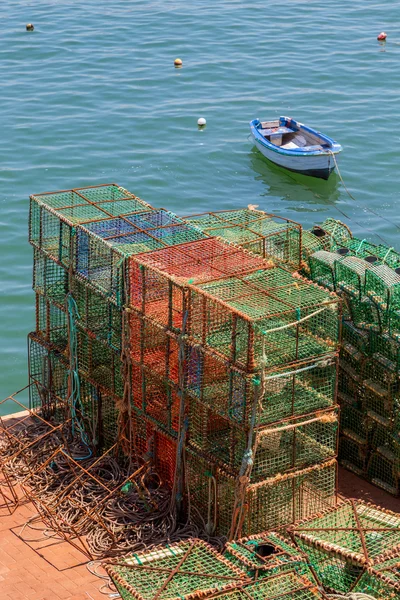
x=291, y=139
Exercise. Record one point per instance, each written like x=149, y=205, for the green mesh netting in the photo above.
x=261, y=233
x=188, y=569
x=379, y=585
x=265, y=554
x=271, y=503
x=285, y=586
x=283, y=447
x=341, y=543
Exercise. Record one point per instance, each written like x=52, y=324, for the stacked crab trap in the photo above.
x=211, y=360
x=367, y=277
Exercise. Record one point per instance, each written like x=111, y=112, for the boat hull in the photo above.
x=320, y=165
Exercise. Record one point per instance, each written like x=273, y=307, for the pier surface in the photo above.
x=36, y=566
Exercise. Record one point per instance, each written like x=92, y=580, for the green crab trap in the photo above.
x=383, y=470
x=364, y=313
x=102, y=248
x=383, y=580
x=268, y=504
x=382, y=285
x=378, y=585
x=282, y=447
x=54, y=215
x=287, y=392
x=350, y=273
x=383, y=344
x=354, y=360
x=283, y=586
x=322, y=268
x=341, y=543
x=49, y=395
x=338, y=231
x=50, y=279
x=355, y=423
x=186, y=570
x=268, y=235
x=353, y=455
x=357, y=338
x=266, y=554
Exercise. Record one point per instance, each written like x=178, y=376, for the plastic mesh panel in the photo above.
x=350, y=275
x=382, y=285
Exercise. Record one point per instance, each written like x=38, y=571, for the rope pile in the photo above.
x=89, y=498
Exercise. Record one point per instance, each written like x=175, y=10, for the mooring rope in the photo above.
x=353, y=198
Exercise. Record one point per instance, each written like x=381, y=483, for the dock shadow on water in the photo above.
x=304, y=193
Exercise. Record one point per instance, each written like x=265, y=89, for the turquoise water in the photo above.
x=91, y=96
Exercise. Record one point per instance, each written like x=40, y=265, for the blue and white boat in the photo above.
x=295, y=146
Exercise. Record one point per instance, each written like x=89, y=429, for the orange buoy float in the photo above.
x=178, y=63
x=382, y=37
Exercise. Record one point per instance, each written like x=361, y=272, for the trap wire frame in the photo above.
x=378, y=585
x=92, y=233
x=285, y=446
x=54, y=215
x=49, y=394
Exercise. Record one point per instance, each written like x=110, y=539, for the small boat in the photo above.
x=295, y=146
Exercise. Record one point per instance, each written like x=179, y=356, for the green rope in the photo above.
x=74, y=398
x=360, y=246
x=387, y=253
